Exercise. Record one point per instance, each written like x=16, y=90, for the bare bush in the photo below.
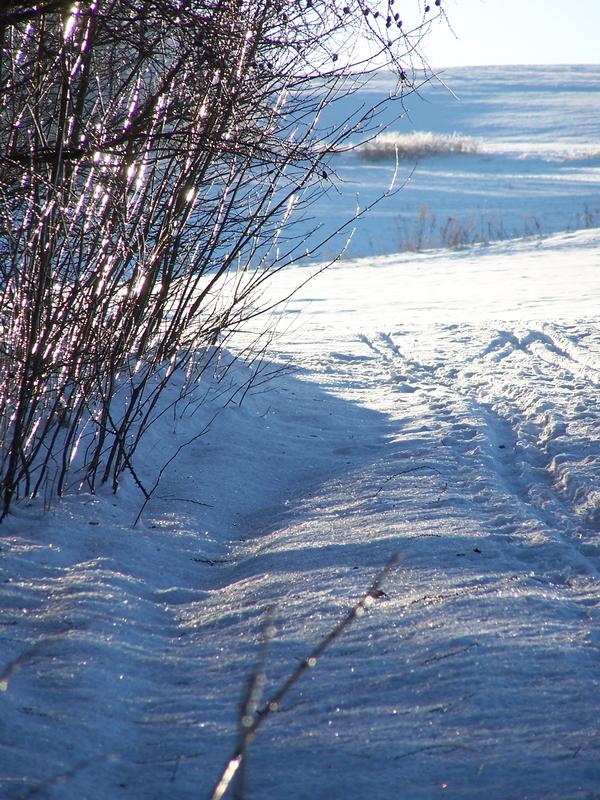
x=154, y=158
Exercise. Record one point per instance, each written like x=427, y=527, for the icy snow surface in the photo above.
x=442, y=406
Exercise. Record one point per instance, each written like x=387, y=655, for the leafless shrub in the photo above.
x=154, y=161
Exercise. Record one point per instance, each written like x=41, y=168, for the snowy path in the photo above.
x=518, y=408
x=484, y=477
x=480, y=671
x=471, y=449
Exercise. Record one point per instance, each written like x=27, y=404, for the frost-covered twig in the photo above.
x=419, y=468
x=250, y=723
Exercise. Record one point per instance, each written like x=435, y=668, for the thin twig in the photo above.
x=60, y=777
x=405, y=472
x=253, y=724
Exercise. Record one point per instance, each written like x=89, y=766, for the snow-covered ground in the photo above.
x=535, y=169
x=441, y=406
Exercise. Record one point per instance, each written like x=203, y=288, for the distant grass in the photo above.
x=416, y=145
x=427, y=232
x=422, y=144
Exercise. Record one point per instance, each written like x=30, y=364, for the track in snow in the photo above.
x=515, y=412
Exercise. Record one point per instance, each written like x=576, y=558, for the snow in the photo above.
x=439, y=405
x=536, y=169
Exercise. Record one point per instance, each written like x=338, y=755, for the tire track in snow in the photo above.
x=517, y=411
x=551, y=402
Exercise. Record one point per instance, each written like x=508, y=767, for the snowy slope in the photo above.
x=441, y=406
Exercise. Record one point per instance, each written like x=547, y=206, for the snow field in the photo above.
x=442, y=406
x=534, y=172
x=468, y=448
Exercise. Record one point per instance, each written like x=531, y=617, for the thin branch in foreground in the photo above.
x=31, y=652
x=150, y=493
x=252, y=697
x=418, y=468
x=250, y=723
